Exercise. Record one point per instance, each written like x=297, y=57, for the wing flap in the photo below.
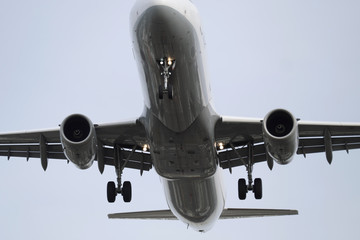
x=229, y=158
x=54, y=151
x=317, y=145
x=138, y=159
x=59, y=156
x=57, y=148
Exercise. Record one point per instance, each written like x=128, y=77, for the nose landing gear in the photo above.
x=166, y=65
x=168, y=91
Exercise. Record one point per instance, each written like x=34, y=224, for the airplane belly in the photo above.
x=189, y=154
x=163, y=32
x=196, y=202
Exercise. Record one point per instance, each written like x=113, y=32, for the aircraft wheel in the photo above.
x=170, y=92
x=111, y=192
x=242, y=189
x=126, y=191
x=161, y=92
x=258, y=188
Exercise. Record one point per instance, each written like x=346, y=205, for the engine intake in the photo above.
x=280, y=131
x=78, y=139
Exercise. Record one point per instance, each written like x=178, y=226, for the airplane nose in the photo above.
x=161, y=15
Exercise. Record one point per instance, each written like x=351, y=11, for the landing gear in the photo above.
x=111, y=192
x=243, y=189
x=126, y=191
x=166, y=65
x=257, y=189
x=169, y=92
x=256, y=186
x=161, y=92
x=123, y=189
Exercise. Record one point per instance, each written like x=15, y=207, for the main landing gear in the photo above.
x=123, y=189
x=166, y=65
x=256, y=186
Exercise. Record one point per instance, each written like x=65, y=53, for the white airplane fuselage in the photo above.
x=180, y=130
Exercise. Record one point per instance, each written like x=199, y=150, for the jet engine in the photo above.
x=78, y=139
x=280, y=131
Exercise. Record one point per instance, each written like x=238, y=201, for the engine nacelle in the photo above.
x=281, y=138
x=78, y=139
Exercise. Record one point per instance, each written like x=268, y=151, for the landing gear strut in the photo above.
x=256, y=186
x=166, y=65
x=123, y=189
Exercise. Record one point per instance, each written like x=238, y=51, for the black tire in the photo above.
x=258, y=188
x=242, y=189
x=170, y=92
x=161, y=92
x=111, y=192
x=126, y=191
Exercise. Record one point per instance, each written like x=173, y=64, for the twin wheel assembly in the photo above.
x=125, y=191
x=256, y=188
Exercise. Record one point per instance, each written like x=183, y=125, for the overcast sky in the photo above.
x=64, y=57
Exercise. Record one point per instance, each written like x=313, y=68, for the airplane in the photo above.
x=179, y=132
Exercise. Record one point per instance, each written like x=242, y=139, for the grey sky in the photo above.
x=63, y=57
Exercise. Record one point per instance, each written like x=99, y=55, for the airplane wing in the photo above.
x=229, y=213
x=235, y=134
x=128, y=136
